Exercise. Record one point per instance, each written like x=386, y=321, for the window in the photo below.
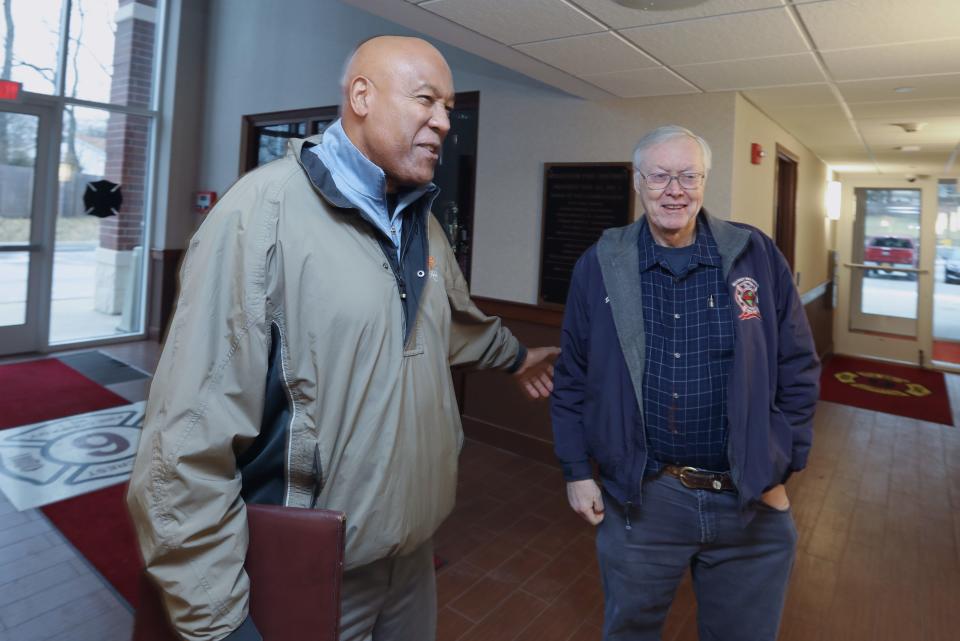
x=93, y=63
x=263, y=137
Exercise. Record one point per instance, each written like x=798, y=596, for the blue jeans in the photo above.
x=740, y=574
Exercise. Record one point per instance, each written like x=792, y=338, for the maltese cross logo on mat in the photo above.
x=745, y=293
x=882, y=384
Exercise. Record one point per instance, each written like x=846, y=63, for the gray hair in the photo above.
x=665, y=133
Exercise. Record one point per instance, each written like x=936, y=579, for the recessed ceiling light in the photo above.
x=903, y=89
x=910, y=127
x=659, y=5
x=908, y=148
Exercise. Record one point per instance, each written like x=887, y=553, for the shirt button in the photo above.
x=677, y=355
x=676, y=315
x=675, y=395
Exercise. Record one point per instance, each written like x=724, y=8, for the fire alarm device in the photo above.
x=204, y=200
x=756, y=153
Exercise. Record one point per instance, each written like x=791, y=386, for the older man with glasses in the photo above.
x=688, y=375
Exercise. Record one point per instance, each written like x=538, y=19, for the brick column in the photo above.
x=126, y=151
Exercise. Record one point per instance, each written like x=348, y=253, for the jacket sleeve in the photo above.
x=205, y=405
x=798, y=375
x=475, y=338
x=570, y=381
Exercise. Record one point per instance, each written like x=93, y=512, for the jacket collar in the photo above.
x=704, y=247
x=731, y=240
x=322, y=179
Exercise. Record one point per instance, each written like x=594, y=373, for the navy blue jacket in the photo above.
x=597, y=402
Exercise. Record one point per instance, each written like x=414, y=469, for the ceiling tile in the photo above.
x=638, y=83
x=795, y=96
x=590, y=54
x=760, y=72
x=882, y=90
x=620, y=17
x=816, y=126
x=858, y=23
x=513, y=22
x=906, y=110
x=743, y=35
x=907, y=59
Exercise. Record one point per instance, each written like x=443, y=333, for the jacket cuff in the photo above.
x=577, y=470
x=246, y=632
x=518, y=361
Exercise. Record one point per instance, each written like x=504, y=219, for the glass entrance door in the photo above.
x=27, y=150
x=886, y=255
x=886, y=238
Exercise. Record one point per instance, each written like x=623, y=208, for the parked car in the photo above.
x=892, y=253
x=951, y=266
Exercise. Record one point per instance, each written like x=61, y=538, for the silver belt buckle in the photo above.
x=683, y=480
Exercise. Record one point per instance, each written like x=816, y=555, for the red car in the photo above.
x=891, y=252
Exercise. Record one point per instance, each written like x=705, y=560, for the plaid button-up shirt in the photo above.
x=689, y=351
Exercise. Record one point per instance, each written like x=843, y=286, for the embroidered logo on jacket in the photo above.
x=745, y=292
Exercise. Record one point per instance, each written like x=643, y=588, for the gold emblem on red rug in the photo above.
x=882, y=384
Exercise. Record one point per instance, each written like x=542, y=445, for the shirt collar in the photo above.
x=352, y=171
x=705, y=250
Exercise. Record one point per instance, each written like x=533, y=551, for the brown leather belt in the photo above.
x=697, y=479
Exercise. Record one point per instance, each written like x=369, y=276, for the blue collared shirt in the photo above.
x=364, y=184
x=689, y=351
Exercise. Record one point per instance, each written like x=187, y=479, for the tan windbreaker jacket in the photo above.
x=374, y=424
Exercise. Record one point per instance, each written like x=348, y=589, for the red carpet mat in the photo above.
x=97, y=523
x=885, y=387
x=946, y=351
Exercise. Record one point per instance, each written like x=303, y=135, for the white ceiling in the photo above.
x=826, y=70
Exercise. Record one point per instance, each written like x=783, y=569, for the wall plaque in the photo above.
x=580, y=200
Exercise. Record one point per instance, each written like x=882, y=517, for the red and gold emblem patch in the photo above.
x=882, y=384
x=745, y=293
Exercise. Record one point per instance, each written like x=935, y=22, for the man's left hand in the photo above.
x=535, y=376
x=776, y=497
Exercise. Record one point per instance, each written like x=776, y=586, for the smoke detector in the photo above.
x=659, y=5
x=910, y=127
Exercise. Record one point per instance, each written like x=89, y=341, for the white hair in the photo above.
x=665, y=133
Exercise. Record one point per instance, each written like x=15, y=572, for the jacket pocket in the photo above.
x=780, y=445
x=319, y=480
x=414, y=346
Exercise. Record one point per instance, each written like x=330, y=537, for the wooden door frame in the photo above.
x=785, y=204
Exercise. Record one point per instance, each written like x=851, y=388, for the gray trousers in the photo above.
x=393, y=599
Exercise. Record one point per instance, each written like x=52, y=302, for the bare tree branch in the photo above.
x=46, y=72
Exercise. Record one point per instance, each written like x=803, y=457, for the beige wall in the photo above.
x=520, y=131
x=522, y=123
x=753, y=189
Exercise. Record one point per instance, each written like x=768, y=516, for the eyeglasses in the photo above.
x=657, y=182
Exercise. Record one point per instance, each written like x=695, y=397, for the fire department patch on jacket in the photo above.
x=745, y=293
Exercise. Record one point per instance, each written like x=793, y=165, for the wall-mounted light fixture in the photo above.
x=833, y=200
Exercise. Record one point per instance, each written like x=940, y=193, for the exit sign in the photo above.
x=9, y=90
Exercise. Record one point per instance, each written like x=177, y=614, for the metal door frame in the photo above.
x=32, y=335
x=878, y=343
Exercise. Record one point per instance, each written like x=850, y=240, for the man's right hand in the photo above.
x=585, y=499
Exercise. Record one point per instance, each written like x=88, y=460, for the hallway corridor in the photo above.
x=878, y=511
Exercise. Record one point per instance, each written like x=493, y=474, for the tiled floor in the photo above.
x=48, y=592
x=878, y=512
